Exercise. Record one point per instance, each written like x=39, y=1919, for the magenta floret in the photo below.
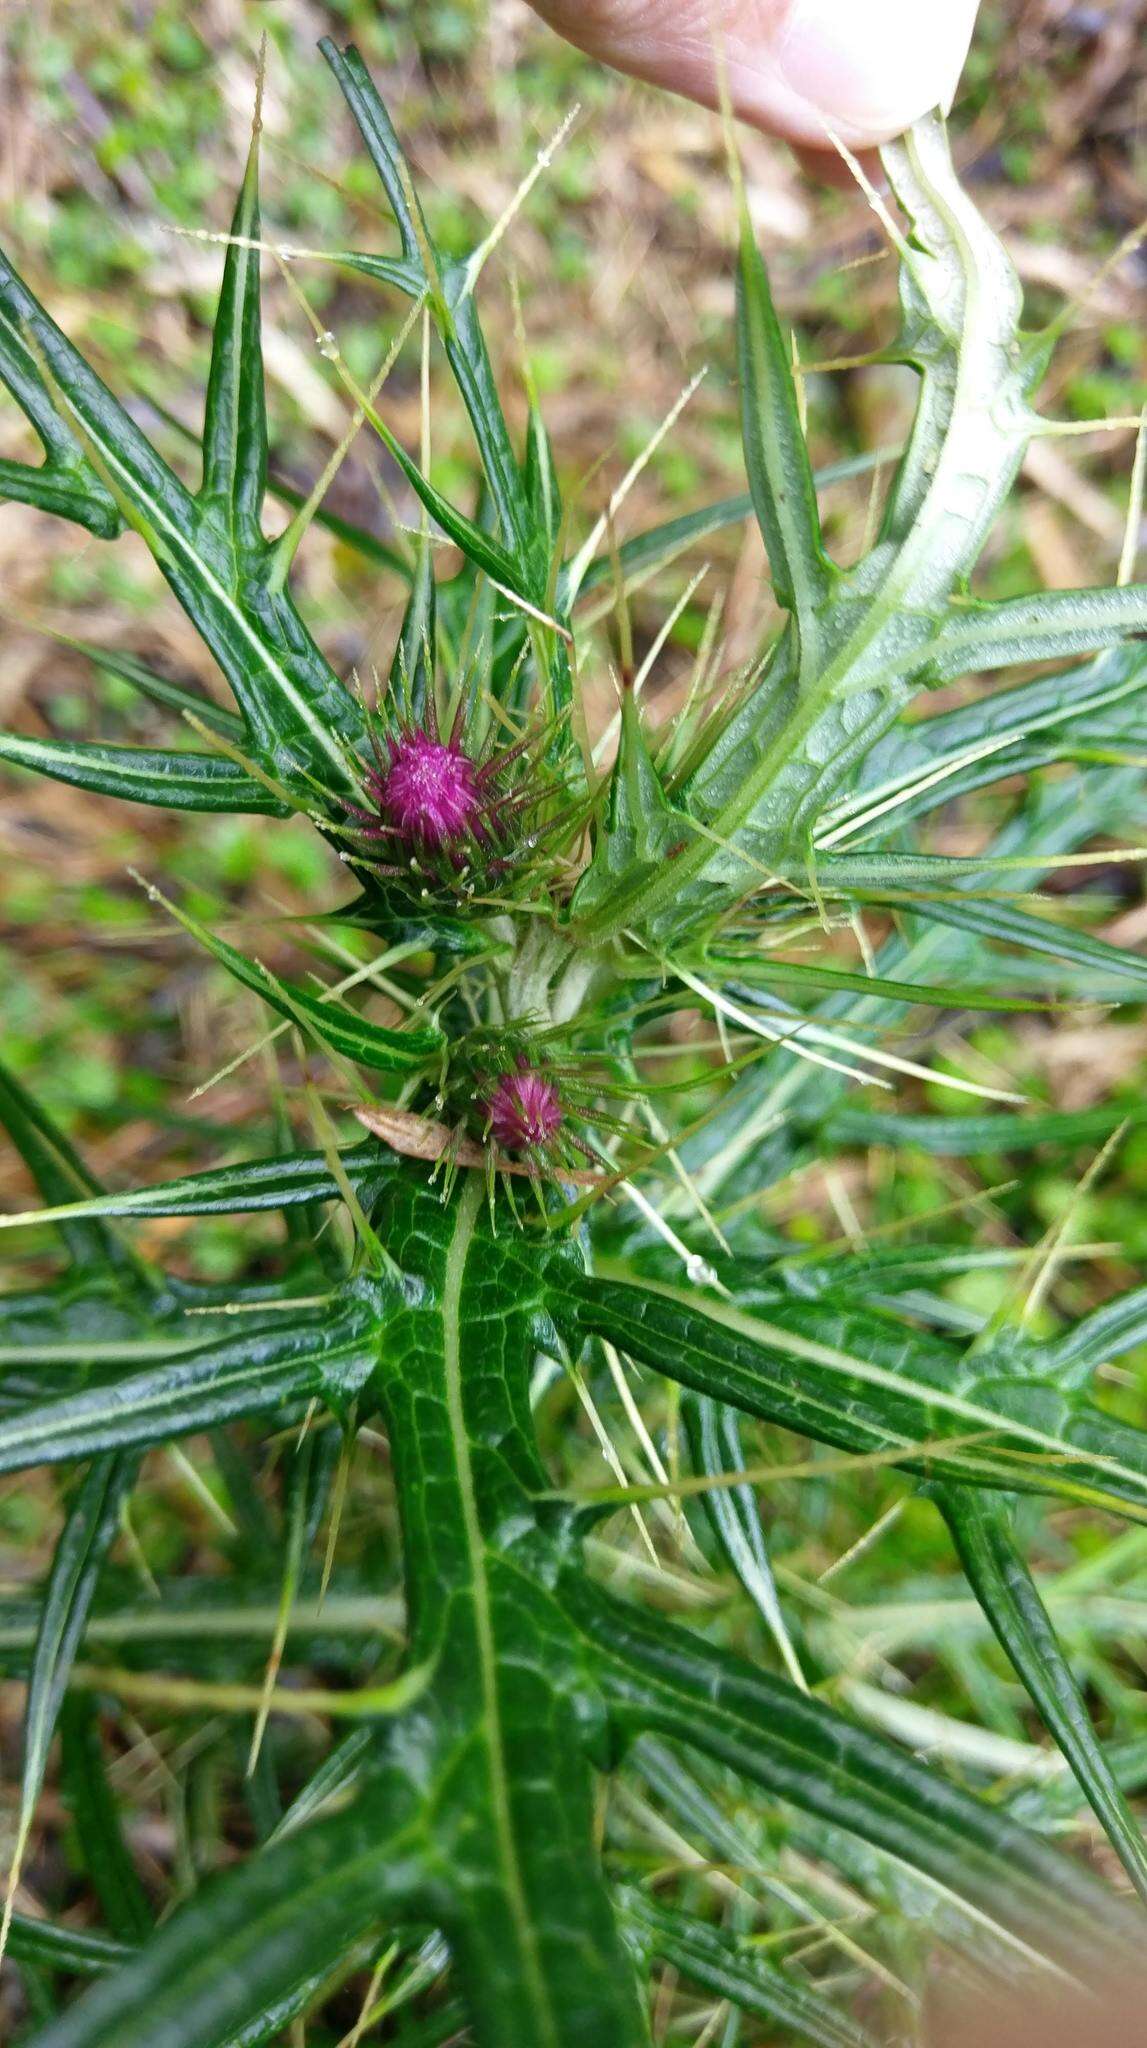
x=525, y=1111
x=429, y=793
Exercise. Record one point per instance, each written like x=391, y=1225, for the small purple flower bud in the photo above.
x=525, y=1111
x=429, y=793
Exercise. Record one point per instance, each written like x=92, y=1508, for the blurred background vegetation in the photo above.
x=123, y=132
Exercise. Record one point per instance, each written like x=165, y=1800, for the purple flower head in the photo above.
x=525, y=1111
x=429, y=794
x=445, y=816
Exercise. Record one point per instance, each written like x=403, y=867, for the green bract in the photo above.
x=461, y=1804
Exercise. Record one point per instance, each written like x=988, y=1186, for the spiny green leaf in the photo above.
x=274, y=1928
x=776, y=452
x=204, y=1384
x=965, y=1137
x=989, y=918
x=962, y=303
x=640, y=827
x=1050, y=627
x=91, y=1525
x=476, y=544
x=145, y=775
x=735, y=1971
x=412, y=672
x=235, y=422
x=763, y=969
x=449, y=286
x=96, y=1815
x=543, y=487
x=869, y=1386
x=730, y=1830
x=734, y=1512
x=799, y=733
x=1047, y=716
x=377, y=131
x=74, y=1949
x=667, y=1681
x=51, y=489
x=1107, y=1333
x=61, y=1175
x=66, y=485
x=296, y=709
x=981, y=1529
x=228, y=1191
x=331, y=1023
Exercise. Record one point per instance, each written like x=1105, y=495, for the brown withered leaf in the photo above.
x=419, y=1137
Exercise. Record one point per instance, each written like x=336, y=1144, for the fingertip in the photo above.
x=871, y=67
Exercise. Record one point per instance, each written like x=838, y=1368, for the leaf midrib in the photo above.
x=491, y=1721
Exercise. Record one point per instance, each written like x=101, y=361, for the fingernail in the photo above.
x=874, y=66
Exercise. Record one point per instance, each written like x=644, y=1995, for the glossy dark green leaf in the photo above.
x=449, y=285
x=734, y=1513
x=51, y=489
x=74, y=1949
x=664, y=1680
x=870, y=1385
x=96, y=1816
x=298, y=1177
x=90, y=1527
x=61, y=1177
x=296, y=709
x=235, y=422
x=66, y=484
x=1042, y=719
x=1006, y=925
x=1050, y=627
x=440, y=2029
x=776, y=452
x=526, y=1913
x=1109, y=1332
x=331, y=1023
x=981, y=1526
x=267, y=1931
x=203, y=1385
x=736, y=1971
x=361, y=540
x=145, y=775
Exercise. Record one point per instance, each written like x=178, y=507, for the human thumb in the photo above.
x=805, y=69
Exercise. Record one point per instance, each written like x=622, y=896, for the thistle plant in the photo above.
x=526, y=1204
